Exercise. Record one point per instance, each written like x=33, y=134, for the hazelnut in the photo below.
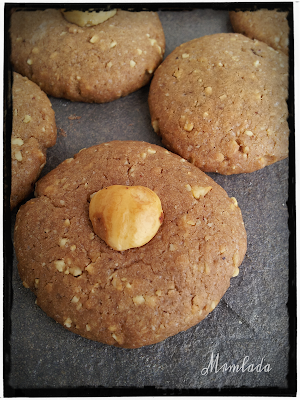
x=87, y=18
x=125, y=216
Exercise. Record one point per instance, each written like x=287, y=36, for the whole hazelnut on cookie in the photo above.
x=125, y=216
x=88, y=18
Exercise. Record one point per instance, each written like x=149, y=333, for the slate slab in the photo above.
x=251, y=323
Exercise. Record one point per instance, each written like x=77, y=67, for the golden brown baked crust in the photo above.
x=269, y=26
x=220, y=102
x=34, y=130
x=91, y=64
x=142, y=295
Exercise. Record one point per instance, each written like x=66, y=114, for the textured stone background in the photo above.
x=251, y=319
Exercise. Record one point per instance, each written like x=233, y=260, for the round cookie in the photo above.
x=220, y=102
x=139, y=296
x=33, y=131
x=90, y=63
x=269, y=26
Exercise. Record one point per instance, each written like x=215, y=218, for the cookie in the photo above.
x=33, y=131
x=220, y=102
x=94, y=63
x=269, y=26
x=145, y=294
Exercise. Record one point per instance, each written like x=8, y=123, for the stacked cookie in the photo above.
x=127, y=243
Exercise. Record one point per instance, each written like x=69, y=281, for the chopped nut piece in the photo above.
x=219, y=157
x=139, y=51
x=117, y=283
x=87, y=327
x=75, y=299
x=155, y=126
x=18, y=156
x=235, y=259
x=206, y=269
x=67, y=222
x=256, y=63
x=75, y=271
x=25, y=284
x=222, y=249
x=248, y=133
x=234, y=201
x=138, y=300
x=199, y=191
x=27, y=119
x=59, y=265
x=90, y=268
x=132, y=63
x=151, y=151
x=185, y=55
x=73, y=247
x=188, y=126
x=177, y=73
x=36, y=283
x=151, y=300
x=68, y=323
x=29, y=61
x=113, y=44
x=118, y=339
x=208, y=90
x=190, y=222
x=94, y=39
x=17, y=141
x=236, y=272
x=63, y=242
x=112, y=328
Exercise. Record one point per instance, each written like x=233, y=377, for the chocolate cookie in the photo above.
x=94, y=63
x=144, y=294
x=33, y=131
x=220, y=102
x=269, y=26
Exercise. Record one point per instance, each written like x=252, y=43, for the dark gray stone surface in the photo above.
x=250, y=321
